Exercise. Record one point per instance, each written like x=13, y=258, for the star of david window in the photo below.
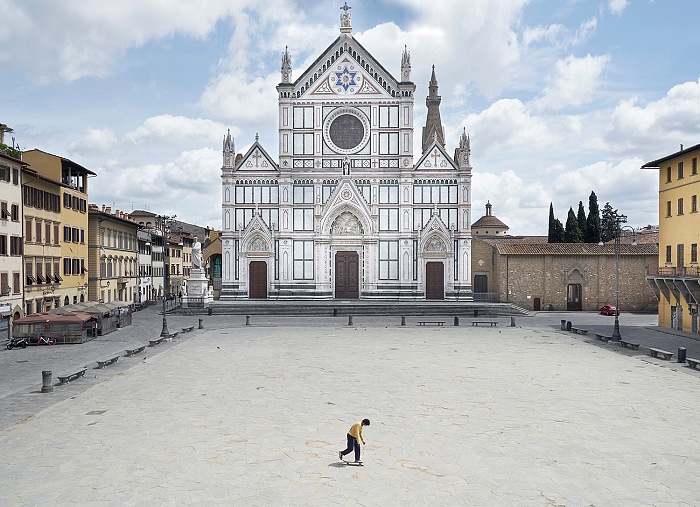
x=346, y=79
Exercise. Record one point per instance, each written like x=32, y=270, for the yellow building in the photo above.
x=211, y=256
x=73, y=179
x=42, y=242
x=174, y=265
x=676, y=281
x=113, y=258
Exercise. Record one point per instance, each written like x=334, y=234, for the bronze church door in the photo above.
x=434, y=280
x=257, y=280
x=347, y=275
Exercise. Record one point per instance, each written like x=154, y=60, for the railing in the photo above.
x=487, y=297
x=685, y=271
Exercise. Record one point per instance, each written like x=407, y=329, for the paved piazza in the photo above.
x=237, y=415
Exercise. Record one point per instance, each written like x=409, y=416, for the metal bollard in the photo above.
x=46, y=381
x=563, y=324
x=568, y=325
x=476, y=312
x=335, y=312
x=512, y=322
x=247, y=320
x=210, y=310
x=201, y=323
x=456, y=321
x=681, y=354
x=403, y=320
x=349, y=320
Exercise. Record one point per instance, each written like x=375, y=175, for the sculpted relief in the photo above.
x=346, y=224
x=435, y=244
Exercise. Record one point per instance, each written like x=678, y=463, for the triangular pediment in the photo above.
x=257, y=236
x=345, y=69
x=435, y=158
x=257, y=159
x=346, y=198
x=435, y=237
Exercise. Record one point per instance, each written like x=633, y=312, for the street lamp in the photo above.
x=163, y=219
x=619, y=219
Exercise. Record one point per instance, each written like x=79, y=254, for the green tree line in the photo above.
x=595, y=227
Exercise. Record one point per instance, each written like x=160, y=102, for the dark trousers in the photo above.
x=352, y=444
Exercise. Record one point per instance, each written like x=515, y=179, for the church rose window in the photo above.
x=346, y=131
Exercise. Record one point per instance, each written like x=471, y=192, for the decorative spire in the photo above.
x=464, y=150
x=433, y=123
x=229, y=150
x=405, y=65
x=345, y=19
x=488, y=208
x=286, y=66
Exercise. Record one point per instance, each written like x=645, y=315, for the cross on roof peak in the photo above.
x=346, y=7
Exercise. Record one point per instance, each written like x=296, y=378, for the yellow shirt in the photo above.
x=356, y=431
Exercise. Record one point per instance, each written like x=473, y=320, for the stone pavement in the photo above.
x=460, y=416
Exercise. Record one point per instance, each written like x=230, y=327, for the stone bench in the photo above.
x=174, y=335
x=111, y=360
x=629, y=344
x=693, y=363
x=658, y=352
x=64, y=379
x=156, y=341
x=491, y=323
x=131, y=352
x=603, y=337
x=187, y=329
x=578, y=330
x=431, y=322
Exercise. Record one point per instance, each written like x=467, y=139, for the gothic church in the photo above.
x=346, y=212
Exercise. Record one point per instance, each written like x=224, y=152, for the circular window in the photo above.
x=346, y=130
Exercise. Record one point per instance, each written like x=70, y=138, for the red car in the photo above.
x=609, y=310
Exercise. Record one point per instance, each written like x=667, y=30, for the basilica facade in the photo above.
x=347, y=211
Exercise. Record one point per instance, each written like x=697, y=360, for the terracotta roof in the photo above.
x=654, y=164
x=490, y=221
x=574, y=249
x=497, y=240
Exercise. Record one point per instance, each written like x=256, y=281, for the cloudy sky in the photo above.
x=560, y=97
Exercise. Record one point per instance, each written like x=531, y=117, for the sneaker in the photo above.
x=340, y=455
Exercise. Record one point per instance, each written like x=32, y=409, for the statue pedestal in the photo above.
x=197, y=290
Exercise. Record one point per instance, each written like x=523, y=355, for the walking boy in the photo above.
x=354, y=438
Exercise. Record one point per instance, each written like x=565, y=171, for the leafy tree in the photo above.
x=592, y=234
x=607, y=223
x=581, y=219
x=572, y=234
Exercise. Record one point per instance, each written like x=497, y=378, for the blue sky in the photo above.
x=560, y=98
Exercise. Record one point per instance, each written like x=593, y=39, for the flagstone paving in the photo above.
x=255, y=415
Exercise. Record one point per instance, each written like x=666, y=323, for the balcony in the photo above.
x=675, y=284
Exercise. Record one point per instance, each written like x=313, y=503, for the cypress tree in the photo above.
x=572, y=234
x=558, y=232
x=593, y=222
x=607, y=223
x=581, y=219
x=552, y=225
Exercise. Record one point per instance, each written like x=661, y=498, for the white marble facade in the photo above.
x=346, y=211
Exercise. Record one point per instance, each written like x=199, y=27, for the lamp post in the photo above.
x=619, y=219
x=163, y=219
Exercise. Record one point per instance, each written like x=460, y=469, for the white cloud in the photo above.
x=617, y=6
x=574, y=82
x=94, y=141
x=548, y=34
x=658, y=126
x=71, y=40
x=171, y=129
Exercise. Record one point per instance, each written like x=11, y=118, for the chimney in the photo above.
x=108, y=210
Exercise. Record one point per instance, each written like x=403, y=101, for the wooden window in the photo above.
x=5, y=283
x=668, y=208
x=694, y=167
x=66, y=266
x=15, y=283
x=694, y=204
x=39, y=226
x=28, y=230
x=694, y=253
x=4, y=211
x=16, y=246
x=680, y=206
x=680, y=170
x=668, y=175
x=15, y=213
x=668, y=254
x=56, y=237
x=3, y=244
